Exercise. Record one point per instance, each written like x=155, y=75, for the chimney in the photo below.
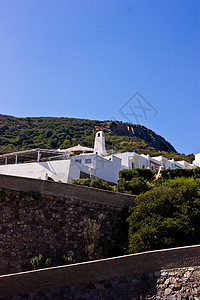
x=99, y=144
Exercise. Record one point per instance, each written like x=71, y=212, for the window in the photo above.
x=132, y=165
x=78, y=161
x=143, y=166
x=152, y=167
x=88, y=161
x=99, y=134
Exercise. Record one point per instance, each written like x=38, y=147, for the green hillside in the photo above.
x=18, y=134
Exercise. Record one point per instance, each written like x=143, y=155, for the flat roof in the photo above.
x=29, y=155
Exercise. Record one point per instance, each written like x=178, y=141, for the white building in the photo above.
x=131, y=160
x=67, y=169
x=58, y=165
x=196, y=162
x=166, y=164
x=184, y=164
x=176, y=165
x=152, y=163
x=68, y=164
x=104, y=168
x=59, y=170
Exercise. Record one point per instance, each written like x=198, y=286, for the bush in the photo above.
x=135, y=186
x=128, y=174
x=94, y=182
x=167, y=216
x=187, y=173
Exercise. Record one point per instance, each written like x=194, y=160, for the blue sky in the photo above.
x=87, y=58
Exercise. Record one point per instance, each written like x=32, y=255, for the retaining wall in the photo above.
x=50, y=218
x=163, y=274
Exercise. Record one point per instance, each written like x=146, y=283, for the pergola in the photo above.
x=35, y=155
x=79, y=149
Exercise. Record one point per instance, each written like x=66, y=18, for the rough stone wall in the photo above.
x=180, y=283
x=173, y=284
x=33, y=224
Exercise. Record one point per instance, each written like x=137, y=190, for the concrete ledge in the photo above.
x=21, y=283
x=66, y=190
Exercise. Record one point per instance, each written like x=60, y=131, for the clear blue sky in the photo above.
x=86, y=58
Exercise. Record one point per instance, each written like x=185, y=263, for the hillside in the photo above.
x=50, y=132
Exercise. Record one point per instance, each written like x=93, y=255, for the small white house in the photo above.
x=104, y=168
x=176, y=165
x=185, y=164
x=131, y=160
x=196, y=162
x=166, y=164
x=152, y=163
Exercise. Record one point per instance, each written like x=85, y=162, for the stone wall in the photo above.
x=138, y=276
x=48, y=218
x=51, y=219
x=174, y=284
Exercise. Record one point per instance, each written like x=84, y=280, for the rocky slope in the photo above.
x=154, y=140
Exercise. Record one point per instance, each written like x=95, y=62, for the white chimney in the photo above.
x=99, y=144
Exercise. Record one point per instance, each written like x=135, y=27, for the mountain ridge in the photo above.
x=61, y=132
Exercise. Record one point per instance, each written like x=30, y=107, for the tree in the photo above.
x=129, y=174
x=167, y=216
x=135, y=186
x=134, y=181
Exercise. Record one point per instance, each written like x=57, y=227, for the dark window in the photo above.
x=88, y=161
x=78, y=161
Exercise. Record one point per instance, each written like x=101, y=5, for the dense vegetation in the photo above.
x=166, y=212
x=134, y=181
x=166, y=216
x=18, y=134
x=94, y=182
x=187, y=173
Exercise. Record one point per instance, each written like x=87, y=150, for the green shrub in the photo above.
x=94, y=182
x=68, y=258
x=187, y=173
x=82, y=181
x=128, y=174
x=39, y=262
x=166, y=216
x=135, y=186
